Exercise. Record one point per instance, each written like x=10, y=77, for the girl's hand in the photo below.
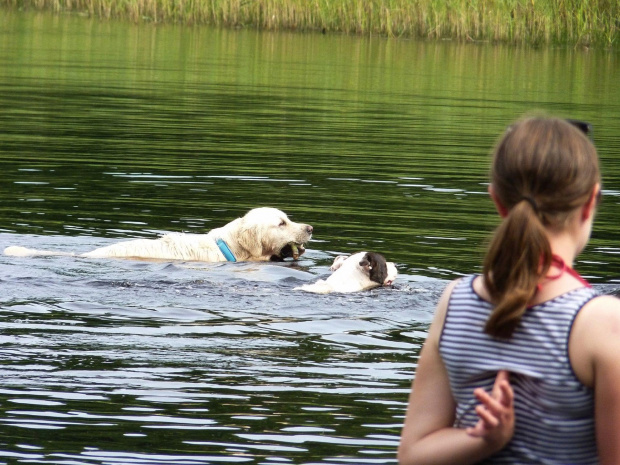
x=496, y=412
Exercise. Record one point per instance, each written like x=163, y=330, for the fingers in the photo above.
x=489, y=417
x=502, y=390
x=502, y=378
x=495, y=412
x=507, y=394
x=490, y=403
x=495, y=406
x=502, y=375
x=486, y=423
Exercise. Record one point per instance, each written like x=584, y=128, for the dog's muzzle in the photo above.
x=292, y=249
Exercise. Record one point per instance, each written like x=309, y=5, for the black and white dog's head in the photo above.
x=375, y=266
x=357, y=272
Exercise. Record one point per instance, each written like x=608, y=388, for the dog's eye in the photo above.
x=282, y=223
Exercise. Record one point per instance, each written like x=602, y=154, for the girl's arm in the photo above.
x=594, y=353
x=428, y=436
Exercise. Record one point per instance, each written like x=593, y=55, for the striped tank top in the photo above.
x=554, y=412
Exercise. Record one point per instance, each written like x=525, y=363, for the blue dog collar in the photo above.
x=225, y=250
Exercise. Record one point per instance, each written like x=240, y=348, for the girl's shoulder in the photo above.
x=434, y=332
x=595, y=338
x=600, y=309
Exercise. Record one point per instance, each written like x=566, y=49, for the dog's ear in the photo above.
x=365, y=264
x=377, y=267
x=250, y=237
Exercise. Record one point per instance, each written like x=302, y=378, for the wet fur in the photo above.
x=260, y=235
x=358, y=272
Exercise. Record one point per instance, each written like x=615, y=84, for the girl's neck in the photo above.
x=564, y=248
x=557, y=269
x=569, y=242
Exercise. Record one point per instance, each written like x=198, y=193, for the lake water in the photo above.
x=111, y=131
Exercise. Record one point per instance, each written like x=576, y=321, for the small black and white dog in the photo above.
x=357, y=272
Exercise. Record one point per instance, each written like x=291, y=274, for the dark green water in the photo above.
x=111, y=130
x=114, y=129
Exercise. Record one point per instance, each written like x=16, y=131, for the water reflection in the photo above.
x=185, y=129
x=111, y=131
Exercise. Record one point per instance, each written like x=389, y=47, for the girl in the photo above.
x=529, y=341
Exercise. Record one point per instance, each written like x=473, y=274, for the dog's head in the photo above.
x=392, y=272
x=269, y=232
x=382, y=272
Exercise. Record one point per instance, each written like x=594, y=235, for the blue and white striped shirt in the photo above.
x=554, y=411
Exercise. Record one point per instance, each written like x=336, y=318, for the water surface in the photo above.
x=113, y=131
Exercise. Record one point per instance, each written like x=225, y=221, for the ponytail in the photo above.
x=518, y=256
x=543, y=170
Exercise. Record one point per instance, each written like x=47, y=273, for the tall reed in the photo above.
x=579, y=22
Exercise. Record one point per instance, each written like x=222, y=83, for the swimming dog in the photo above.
x=263, y=234
x=357, y=272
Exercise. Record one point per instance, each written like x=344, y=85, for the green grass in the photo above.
x=575, y=22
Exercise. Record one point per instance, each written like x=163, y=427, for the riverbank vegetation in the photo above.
x=575, y=22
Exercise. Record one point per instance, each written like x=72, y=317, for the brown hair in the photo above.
x=543, y=169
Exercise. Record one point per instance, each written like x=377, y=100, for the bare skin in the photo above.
x=428, y=436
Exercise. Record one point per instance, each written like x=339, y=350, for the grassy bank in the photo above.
x=575, y=22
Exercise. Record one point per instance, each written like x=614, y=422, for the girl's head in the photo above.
x=544, y=170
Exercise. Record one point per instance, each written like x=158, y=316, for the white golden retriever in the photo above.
x=263, y=234
x=358, y=272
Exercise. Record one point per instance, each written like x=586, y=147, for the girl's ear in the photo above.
x=503, y=211
x=588, y=208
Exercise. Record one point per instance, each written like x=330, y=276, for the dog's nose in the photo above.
x=309, y=229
